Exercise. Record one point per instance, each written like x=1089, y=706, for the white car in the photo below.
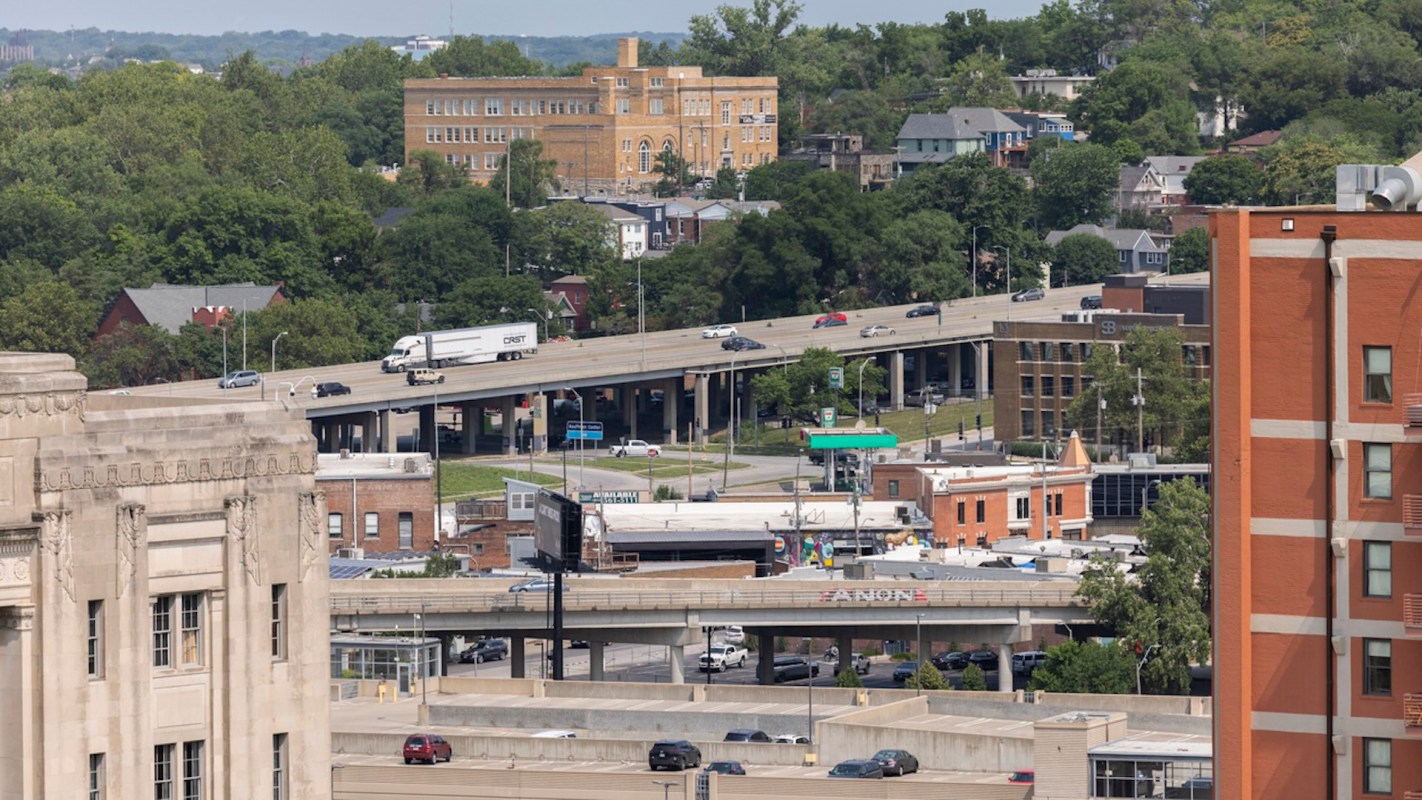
x=734, y=634
x=719, y=332
x=876, y=330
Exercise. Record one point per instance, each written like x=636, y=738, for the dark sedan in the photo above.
x=740, y=343
x=985, y=659
x=954, y=660
x=487, y=650
x=922, y=311
x=905, y=670
x=725, y=768
x=857, y=768
x=332, y=389
x=896, y=762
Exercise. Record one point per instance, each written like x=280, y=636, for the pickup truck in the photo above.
x=721, y=657
x=635, y=447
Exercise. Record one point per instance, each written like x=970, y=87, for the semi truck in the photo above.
x=439, y=349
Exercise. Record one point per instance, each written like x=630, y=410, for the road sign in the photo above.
x=836, y=377
x=586, y=431
x=827, y=417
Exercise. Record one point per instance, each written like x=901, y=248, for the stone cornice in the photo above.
x=158, y=472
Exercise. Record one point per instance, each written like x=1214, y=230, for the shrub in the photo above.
x=973, y=679
x=849, y=679
x=927, y=677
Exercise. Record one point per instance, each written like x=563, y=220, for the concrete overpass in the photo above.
x=673, y=613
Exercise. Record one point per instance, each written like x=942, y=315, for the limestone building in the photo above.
x=605, y=128
x=162, y=566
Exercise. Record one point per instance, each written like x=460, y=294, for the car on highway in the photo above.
x=332, y=389
x=486, y=650
x=953, y=660
x=1091, y=301
x=747, y=735
x=832, y=319
x=896, y=762
x=422, y=375
x=905, y=670
x=238, y=378
x=857, y=768
x=1027, y=295
x=719, y=332
x=536, y=585
x=734, y=634
x=874, y=331
x=426, y=747
x=922, y=397
x=858, y=661
x=925, y=310
x=985, y=659
x=725, y=768
x=794, y=668
x=790, y=738
x=741, y=343
x=634, y=447
x=677, y=753
x=721, y=657
x=1023, y=776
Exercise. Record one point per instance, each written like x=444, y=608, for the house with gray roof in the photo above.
x=1136, y=251
x=935, y=138
x=171, y=307
x=1172, y=171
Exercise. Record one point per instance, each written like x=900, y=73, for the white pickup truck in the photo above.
x=721, y=657
x=635, y=447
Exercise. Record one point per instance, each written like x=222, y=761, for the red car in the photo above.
x=832, y=319
x=1023, y=776
x=426, y=747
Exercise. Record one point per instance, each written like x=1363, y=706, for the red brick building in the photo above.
x=379, y=503
x=171, y=307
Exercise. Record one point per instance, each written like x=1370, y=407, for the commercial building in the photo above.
x=1317, y=591
x=844, y=152
x=163, y=595
x=378, y=502
x=603, y=129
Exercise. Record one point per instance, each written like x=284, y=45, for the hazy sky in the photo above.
x=407, y=17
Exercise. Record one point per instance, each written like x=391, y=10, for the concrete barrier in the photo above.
x=991, y=751
x=653, y=723
x=531, y=751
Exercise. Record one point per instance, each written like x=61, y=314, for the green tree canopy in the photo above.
x=1224, y=180
x=47, y=317
x=1086, y=668
x=534, y=177
x=1083, y=258
x=801, y=389
x=1075, y=184
x=1190, y=252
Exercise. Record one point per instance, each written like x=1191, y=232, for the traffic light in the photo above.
x=960, y=430
x=980, y=422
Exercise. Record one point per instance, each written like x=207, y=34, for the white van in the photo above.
x=1023, y=663
x=555, y=735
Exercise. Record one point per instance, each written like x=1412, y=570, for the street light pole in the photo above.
x=862, y=365
x=666, y=787
x=974, y=257
x=544, y=315
x=274, y=344
x=810, y=715
x=1008, y=250
x=917, y=678
x=1139, y=664
x=1145, y=490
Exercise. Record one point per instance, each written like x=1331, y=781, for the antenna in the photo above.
x=451, y=19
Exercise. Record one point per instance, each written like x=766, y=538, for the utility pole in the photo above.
x=1139, y=402
x=1046, y=501
x=1100, y=407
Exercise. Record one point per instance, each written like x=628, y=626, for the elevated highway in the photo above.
x=674, y=613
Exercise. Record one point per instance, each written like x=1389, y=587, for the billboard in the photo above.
x=557, y=529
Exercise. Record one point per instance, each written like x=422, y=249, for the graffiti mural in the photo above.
x=818, y=548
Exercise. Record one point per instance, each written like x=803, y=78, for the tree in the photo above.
x=674, y=172
x=726, y=186
x=919, y=259
x=1162, y=616
x=47, y=317
x=980, y=80
x=427, y=172
x=1288, y=83
x=534, y=177
x=1224, y=180
x=926, y=676
x=1083, y=258
x=472, y=57
x=973, y=679
x=848, y=678
x=741, y=41
x=1141, y=101
x=1190, y=252
x=802, y=389
x=133, y=355
x=1086, y=668
x=775, y=180
x=480, y=301
x=318, y=332
x=1075, y=184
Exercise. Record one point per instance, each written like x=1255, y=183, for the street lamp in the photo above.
x=1144, y=491
x=731, y=430
x=784, y=359
x=918, y=678
x=974, y=257
x=544, y=317
x=666, y=787
x=1008, y=250
x=581, y=433
x=810, y=715
x=1144, y=658
x=862, y=365
x=274, y=342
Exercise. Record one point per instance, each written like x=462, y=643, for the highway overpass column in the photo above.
x=747, y=395
x=627, y=403
x=595, y=665
x=370, y=432
x=672, y=392
x=676, y=655
x=955, y=368
x=846, y=647
x=471, y=420
x=1004, y=668
x=517, y=657
x=924, y=373
x=389, y=442
x=702, y=407
x=983, y=379
x=896, y=380
x=428, y=430
x=765, y=653
x=509, y=427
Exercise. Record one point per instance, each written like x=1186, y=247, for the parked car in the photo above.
x=793, y=668
x=791, y=738
x=332, y=389
x=1201, y=787
x=1023, y=663
x=634, y=447
x=925, y=310
x=719, y=332
x=985, y=659
x=556, y=734
x=721, y=657
x=896, y=762
x=734, y=634
x=873, y=331
x=905, y=670
x=426, y=747
x=832, y=319
x=953, y=660
x=858, y=661
x=1023, y=776
x=485, y=650
x=238, y=378
x=1091, y=301
x=747, y=735
x=857, y=768
x=725, y=768
x=741, y=343
x=536, y=585
x=669, y=753
x=421, y=375
x=1026, y=295
x=923, y=396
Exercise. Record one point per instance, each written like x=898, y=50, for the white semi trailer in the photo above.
x=439, y=349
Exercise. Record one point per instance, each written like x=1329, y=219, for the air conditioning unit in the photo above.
x=350, y=552
x=411, y=466
x=345, y=453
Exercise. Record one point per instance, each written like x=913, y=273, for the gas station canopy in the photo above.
x=848, y=438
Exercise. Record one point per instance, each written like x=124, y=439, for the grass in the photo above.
x=667, y=466
x=460, y=481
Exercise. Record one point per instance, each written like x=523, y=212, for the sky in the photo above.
x=410, y=17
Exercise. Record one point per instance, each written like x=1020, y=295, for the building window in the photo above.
x=1029, y=386
x=163, y=631
x=725, y=112
x=982, y=540
x=1071, y=534
x=1377, y=470
x=407, y=530
x=1377, y=569
x=1049, y=386
x=97, y=780
x=623, y=83
x=1377, y=766
x=1377, y=374
x=1022, y=508
x=1029, y=422
x=962, y=513
x=644, y=157
x=192, y=771
x=624, y=105
x=1377, y=666
x=278, y=622
x=1059, y=503
x=191, y=628
x=430, y=108
x=655, y=106
x=279, y=791
x=1068, y=386
x=493, y=107
x=372, y=525
x=1026, y=351
x=655, y=83
x=96, y=638
x=491, y=161
x=893, y=488
x=982, y=511
x=1049, y=351
x=333, y=526
x=1068, y=352
x=163, y=772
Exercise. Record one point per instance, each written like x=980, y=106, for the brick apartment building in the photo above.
x=975, y=506
x=379, y=503
x=605, y=128
x=1317, y=591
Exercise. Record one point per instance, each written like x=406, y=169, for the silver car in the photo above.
x=238, y=378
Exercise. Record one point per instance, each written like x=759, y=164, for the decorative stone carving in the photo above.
x=58, y=542
x=17, y=618
x=48, y=404
x=312, y=515
x=137, y=473
x=132, y=538
x=15, y=562
x=242, y=529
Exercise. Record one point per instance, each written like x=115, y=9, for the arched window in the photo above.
x=644, y=157
x=668, y=145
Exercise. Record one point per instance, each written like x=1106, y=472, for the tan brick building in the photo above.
x=605, y=128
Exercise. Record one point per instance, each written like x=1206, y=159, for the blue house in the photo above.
x=935, y=138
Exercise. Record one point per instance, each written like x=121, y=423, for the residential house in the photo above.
x=1172, y=171
x=1043, y=123
x=1141, y=188
x=171, y=307
x=1046, y=82
x=1254, y=142
x=378, y=502
x=629, y=230
x=573, y=290
x=935, y=138
x=843, y=152
x=1136, y=250
x=687, y=217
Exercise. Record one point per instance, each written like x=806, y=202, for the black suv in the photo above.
x=985, y=659
x=678, y=753
x=332, y=389
x=1091, y=301
x=954, y=660
x=487, y=650
x=922, y=311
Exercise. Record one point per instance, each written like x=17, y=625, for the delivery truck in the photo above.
x=440, y=349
